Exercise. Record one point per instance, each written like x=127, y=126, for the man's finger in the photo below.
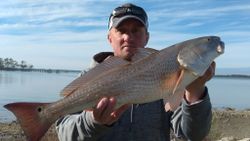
x=117, y=113
x=210, y=72
x=108, y=109
x=98, y=110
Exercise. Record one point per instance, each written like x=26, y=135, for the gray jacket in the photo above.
x=142, y=122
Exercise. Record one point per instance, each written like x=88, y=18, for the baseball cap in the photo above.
x=127, y=11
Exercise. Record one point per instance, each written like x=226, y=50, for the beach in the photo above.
x=227, y=125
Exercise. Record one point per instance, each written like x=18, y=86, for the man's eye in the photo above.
x=135, y=30
x=119, y=30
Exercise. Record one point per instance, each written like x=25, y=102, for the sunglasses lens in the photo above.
x=120, y=11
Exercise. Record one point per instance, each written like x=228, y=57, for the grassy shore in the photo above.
x=227, y=125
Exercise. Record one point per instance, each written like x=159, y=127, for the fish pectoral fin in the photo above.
x=142, y=53
x=184, y=79
x=108, y=64
x=179, y=82
x=174, y=101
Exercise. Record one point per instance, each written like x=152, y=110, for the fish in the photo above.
x=150, y=75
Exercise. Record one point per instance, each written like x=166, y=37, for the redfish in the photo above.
x=150, y=75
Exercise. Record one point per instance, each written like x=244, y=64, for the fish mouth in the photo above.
x=221, y=47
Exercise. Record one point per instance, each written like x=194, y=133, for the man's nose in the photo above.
x=128, y=36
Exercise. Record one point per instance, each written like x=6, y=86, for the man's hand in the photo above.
x=195, y=90
x=105, y=114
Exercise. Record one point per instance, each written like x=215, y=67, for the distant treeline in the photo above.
x=43, y=70
x=11, y=64
x=54, y=70
x=233, y=76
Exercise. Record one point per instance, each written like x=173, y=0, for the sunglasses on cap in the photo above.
x=131, y=10
x=121, y=11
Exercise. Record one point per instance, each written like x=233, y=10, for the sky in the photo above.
x=65, y=34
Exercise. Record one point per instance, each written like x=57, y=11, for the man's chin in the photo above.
x=128, y=56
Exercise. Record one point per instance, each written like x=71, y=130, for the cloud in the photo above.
x=57, y=15
x=202, y=15
x=57, y=30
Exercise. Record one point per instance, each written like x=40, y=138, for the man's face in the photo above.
x=127, y=37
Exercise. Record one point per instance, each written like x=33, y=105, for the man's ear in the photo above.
x=147, y=38
x=108, y=37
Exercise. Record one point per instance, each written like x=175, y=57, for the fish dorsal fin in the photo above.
x=142, y=53
x=108, y=64
x=193, y=61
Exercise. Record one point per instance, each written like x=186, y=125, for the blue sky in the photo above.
x=65, y=34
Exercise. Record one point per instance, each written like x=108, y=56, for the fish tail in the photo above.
x=32, y=121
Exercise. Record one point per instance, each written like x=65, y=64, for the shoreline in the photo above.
x=214, y=109
x=227, y=124
x=226, y=75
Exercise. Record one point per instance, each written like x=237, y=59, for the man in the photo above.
x=128, y=30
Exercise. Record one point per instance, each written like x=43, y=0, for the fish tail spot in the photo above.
x=39, y=109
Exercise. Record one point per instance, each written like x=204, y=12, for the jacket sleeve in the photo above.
x=80, y=126
x=193, y=122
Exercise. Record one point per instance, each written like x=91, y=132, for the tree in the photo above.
x=30, y=66
x=23, y=64
x=9, y=64
x=1, y=63
x=12, y=63
x=6, y=63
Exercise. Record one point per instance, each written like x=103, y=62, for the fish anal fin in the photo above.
x=33, y=125
x=108, y=64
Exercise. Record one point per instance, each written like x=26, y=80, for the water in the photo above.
x=230, y=92
x=30, y=87
x=45, y=87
